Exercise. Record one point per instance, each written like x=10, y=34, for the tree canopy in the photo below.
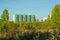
x=56, y=13
x=5, y=15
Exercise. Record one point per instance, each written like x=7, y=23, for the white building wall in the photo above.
x=14, y=18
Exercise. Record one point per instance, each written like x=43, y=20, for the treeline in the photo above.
x=39, y=30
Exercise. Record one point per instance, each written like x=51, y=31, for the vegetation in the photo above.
x=5, y=15
x=39, y=30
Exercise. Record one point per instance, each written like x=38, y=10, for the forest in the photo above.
x=39, y=30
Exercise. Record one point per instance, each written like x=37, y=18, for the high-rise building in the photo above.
x=20, y=17
x=26, y=18
x=16, y=18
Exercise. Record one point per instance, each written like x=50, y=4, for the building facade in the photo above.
x=25, y=18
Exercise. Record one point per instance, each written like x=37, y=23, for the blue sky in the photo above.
x=40, y=8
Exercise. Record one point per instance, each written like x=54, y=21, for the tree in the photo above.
x=5, y=15
x=56, y=13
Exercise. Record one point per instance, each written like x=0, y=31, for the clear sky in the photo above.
x=40, y=8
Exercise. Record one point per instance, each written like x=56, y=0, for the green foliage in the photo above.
x=5, y=15
x=56, y=13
